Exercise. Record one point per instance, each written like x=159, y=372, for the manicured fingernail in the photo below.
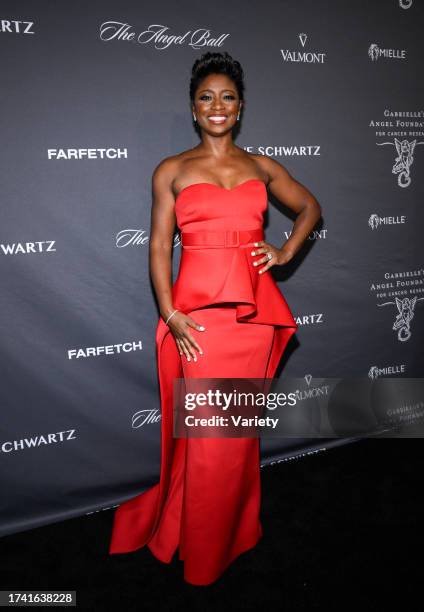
x=202, y=328
x=256, y=243
x=252, y=253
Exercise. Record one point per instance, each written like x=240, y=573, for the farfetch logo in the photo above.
x=307, y=57
x=110, y=349
x=375, y=52
x=68, y=154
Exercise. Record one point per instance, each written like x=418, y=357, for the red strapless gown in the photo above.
x=207, y=501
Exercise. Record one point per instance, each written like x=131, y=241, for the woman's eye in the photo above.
x=227, y=97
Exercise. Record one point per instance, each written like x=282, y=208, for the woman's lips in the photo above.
x=217, y=118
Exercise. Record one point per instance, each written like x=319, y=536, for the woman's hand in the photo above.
x=179, y=325
x=279, y=256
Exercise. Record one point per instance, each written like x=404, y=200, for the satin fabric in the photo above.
x=207, y=500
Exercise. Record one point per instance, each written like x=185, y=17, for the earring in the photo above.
x=194, y=117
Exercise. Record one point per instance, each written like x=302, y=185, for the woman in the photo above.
x=223, y=317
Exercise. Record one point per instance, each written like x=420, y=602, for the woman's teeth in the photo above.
x=217, y=119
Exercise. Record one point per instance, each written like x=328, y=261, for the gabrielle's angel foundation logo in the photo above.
x=404, y=160
x=402, y=324
x=401, y=130
x=400, y=290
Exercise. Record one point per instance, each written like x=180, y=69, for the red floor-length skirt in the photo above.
x=207, y=500
x=212, y=509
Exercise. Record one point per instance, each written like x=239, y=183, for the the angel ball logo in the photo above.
x=403, y=131
x=400, y=292
x=405, y=4
x=159, y=35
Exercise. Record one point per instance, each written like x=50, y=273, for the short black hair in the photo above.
x=213, y=63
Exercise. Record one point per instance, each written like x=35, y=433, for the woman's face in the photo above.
x=216, y=104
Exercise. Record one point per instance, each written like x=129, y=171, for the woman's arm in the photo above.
x=162, y=229
x=296, y=197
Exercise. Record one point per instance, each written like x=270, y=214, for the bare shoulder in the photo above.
x=167, y=171
x=269, y=167
x=164, y=173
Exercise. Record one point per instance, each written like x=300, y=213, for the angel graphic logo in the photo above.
x=405, y=4
x=373, y=52
x=373, y=373
x=402, y=324
x=404, y=160
x=374, y=221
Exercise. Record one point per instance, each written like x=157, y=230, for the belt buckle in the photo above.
x=232, y=238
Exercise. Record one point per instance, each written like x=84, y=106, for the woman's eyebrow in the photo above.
x=232, y=90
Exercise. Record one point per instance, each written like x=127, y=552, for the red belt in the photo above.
x=223, y=238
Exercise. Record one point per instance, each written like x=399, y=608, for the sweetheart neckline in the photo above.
x=219, y=186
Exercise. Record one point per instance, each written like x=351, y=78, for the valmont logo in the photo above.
x=307, y=57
